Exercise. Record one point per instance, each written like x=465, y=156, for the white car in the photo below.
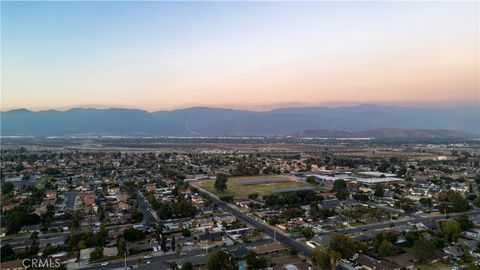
x=147, y=256
x=148, y=262
x=104, y=264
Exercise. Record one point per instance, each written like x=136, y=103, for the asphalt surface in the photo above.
x=384, y=225
x=160, y=261
x=42, y=237
x=306, y=251
x=70, y=199
x=144, y=206
x=290, y=242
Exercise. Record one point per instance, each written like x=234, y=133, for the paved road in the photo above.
x=42, y=237
x=385, y=225
x=304, y=250
x=70, y=199
x=160, y=261
x=398, y=211
x=144, y=206
x=290, y=242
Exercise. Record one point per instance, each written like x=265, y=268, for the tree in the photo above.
x=387, y=249
x=255, y=262
x=412, y=236
x=311, y=180
x=308, y=233
x=383, y=167
x=293, y=251
x=121, y=246
x=451, y=230
x=314, y=211
x=402, y=171
x=187, y=266
x=325, y=258
x=220, y=260
x=173, y=243
x=473, y=266
x=343, y=244
x=179, y=209
x=405, y=204
x=465, y=222
x=426, y=202
x=452, y=202
x=379, y=192
x=379, y=238
x=163, y=243
x=178, y=249
x=7, y=188
x=51, y=249
x=75, y=219
x=292, y=213
x=342, y=194
x=137, y=216
x=227, y=198
x=362, y=197
x=273, y=220
x=338, y=185
x=221, y=182
x=186, y=232
x=7, y=253
x=173, y=265
x=424, y=249
x=132, y=235
x=17, y=217
x=96, y=254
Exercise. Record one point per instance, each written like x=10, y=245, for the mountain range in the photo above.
x=202, y=121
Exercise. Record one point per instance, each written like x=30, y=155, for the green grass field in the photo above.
x=241, y=187
x=433, y=266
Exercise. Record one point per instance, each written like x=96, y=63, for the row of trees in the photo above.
x=291, y=199
x=177, y=209
x=223, y=260
x=341, y=246
x=18, y=217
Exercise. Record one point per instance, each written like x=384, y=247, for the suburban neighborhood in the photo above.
x=260, y=209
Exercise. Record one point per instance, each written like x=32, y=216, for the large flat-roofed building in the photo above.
x=376, y=181
x=376, y=174
x=365, y=178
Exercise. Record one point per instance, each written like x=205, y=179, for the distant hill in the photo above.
x=200, y=121
x=387, y=133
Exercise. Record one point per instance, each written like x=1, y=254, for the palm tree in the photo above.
x=178, y=249
x=335, y=257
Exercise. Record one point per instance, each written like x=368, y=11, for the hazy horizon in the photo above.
x=240, y=55
x=254, y=110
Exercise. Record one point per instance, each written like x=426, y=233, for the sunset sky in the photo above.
x=250, y=55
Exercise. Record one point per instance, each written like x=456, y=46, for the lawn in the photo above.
x=433, y=266
x=241, y=187
x=357, y=223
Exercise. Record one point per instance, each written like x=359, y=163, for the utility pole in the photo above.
x=274, y=235
x=206, y=245
x=125, y=252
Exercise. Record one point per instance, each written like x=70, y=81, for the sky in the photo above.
x=245, y=55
